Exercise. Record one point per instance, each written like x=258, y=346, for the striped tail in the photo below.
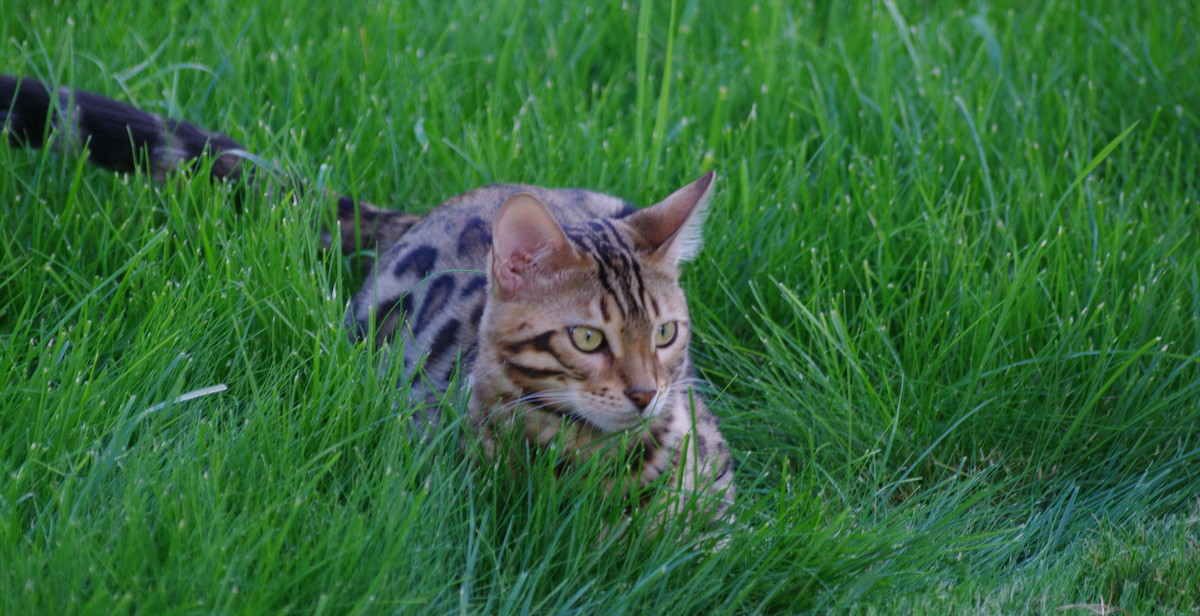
x=125, y=139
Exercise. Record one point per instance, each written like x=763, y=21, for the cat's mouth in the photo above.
x=601, y=416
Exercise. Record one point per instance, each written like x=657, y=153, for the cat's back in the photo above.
x=457, y=233
x=434, y=278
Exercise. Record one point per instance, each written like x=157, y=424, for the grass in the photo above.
x=949, y=305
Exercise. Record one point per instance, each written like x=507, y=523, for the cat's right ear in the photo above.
x=670, y=229
x=526, y=243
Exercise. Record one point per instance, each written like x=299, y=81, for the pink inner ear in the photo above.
x=526, y=243
x=507, y=273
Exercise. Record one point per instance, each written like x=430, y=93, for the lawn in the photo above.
x=948, y=307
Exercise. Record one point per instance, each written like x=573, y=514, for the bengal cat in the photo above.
x=562, y=307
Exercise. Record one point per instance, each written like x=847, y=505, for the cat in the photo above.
x=562, y=307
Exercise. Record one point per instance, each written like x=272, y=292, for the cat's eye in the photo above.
x=665, y=334
x=585, y=338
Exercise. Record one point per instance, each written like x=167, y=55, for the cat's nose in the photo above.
x=641, y=397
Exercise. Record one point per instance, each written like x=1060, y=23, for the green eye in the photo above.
x=664, y=334
x=586, y=339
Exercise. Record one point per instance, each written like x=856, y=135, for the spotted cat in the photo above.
x=562, y=307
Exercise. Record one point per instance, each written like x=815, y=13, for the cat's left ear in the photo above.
x=527, y=245
x=671, y=228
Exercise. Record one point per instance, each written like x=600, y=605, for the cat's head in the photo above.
x=589, y=321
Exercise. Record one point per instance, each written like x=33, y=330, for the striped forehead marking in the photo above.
x=617, y=268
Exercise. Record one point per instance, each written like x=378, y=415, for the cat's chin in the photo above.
x=598, y=413
x=610, y=421
x=610, y=424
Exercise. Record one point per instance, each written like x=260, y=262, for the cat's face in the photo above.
x=605, y=354
x=589, y=322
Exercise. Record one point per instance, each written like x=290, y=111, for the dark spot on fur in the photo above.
x=443, y=343
x=650, y=446
x=359, y=330
x=475, y=238
x=701, y=444
x=419, y=261
x=578, y=196
x=476, y=317
x=725, y=471
x=530, y=372
x=476, y=283
x=638, y=452
x=468, y=360
x=540, y=342
x=393, y=311
x=658, y=432
x=435, y=301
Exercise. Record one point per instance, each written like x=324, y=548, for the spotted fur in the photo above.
x=497, y=284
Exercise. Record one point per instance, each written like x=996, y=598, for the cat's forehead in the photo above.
x=624, y=282
x=609, y=239
x=600, y=236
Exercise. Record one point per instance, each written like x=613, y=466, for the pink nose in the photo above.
x=641, y=397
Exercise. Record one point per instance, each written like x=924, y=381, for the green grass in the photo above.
x=949, y=307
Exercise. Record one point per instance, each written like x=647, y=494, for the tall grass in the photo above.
x=948, y=307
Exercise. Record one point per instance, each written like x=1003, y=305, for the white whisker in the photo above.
x=682, y=385
x=540, y=399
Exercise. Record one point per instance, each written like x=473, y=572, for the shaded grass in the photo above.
x=947, y=304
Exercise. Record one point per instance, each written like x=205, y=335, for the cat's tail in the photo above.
x=125, y=139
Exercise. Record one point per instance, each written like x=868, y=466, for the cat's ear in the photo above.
x=526, y=243
x=671, y=228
